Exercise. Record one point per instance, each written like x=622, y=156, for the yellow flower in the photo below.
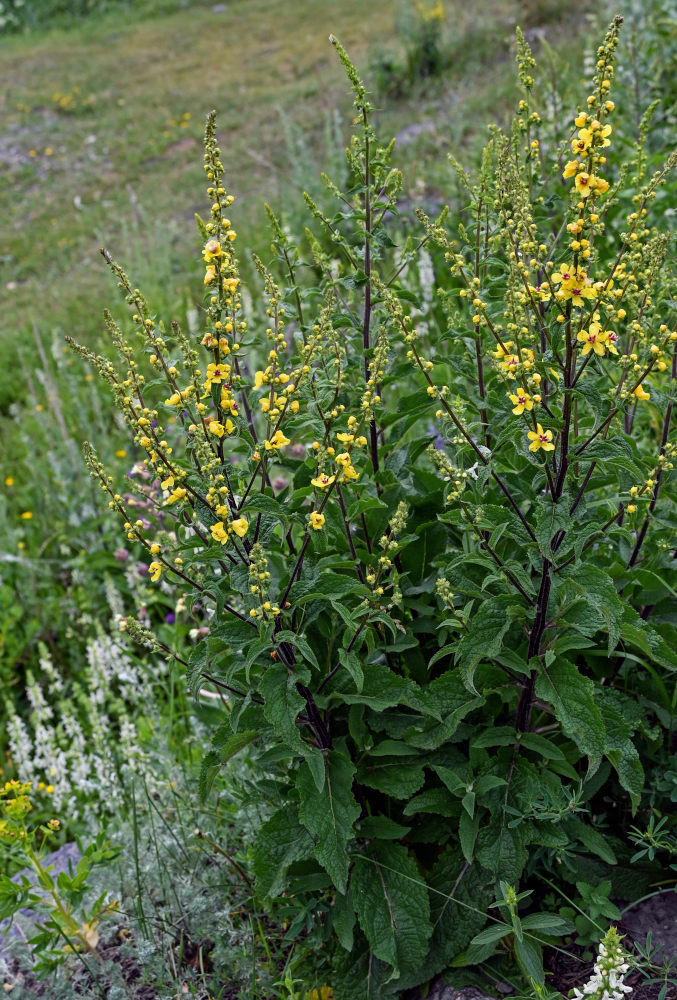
x=219, y=533
x=323, y=481
x=316, y=520
x=177, y=494
x=540, y=439
x=27, y=515
x=599, y=184
x=155, y=549
x=216, y=428
x=9, y=481
x=121, y=453
x=584, y=184
x=215, y=373
x=210, y=274
x=155, y=569
x=581, y=120
x=521, y=401
x=640, y=393
x=212, y=250
x=571, y=169
x=345, y=438
x=325, y=993
x=240, y=526
x=605, y=131
x=349, y=472
x=278, y=440
x=581, y=145
x=594, y=339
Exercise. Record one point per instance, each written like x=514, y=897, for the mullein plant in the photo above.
x=440, y=644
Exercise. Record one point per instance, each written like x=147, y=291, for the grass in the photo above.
x=102, y=122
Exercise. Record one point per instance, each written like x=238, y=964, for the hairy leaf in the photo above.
x=280, y=842
x=391, y=901
x=573, y=699
x=330, y=814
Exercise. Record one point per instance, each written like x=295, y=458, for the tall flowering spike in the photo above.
x=606, y=982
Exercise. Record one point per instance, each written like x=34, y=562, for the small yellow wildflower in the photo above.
x=240, y=526
x=316, y=520
x=176, y=494
x=212, y=251
x=521, y=401
x=27, y=515
x=540, y=439
x=216, y=428
x=323, y=481
x=155, y=569
x=9, y=481
x=219, y=533
x=278, y=440
x=640, y=393
x=594, y=339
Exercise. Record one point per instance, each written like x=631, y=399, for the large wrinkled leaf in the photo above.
x=484, y=637
x=459, y=895
x=330, y=814
x=573, y=699
x=281, y=842
x=391, y=901
x=283, y=703
x=447, y=701
x=598, y=591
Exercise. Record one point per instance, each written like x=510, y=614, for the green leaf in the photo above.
x=343, y=919
x=330, y=815
x=501, y=850
x=622, y=753
x=598, y=590
x=547, y=923
x=468, y=829
x=591, y=839
x=382, y=688
x=485, y=636
x=391, y=901
x=382, y=828
x=393, y=776
x=448, y=701
x=283, y=702
x=221, y=752
x=301, y=645
x=573, y=699
x=550, y=518
x=264, y=504
x=352, y=664
x=529, y=957
x=280, y=842
x=492, y=934
x=459, y=896
x=358, y=975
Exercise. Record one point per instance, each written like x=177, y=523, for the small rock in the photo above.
x=443, y=991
